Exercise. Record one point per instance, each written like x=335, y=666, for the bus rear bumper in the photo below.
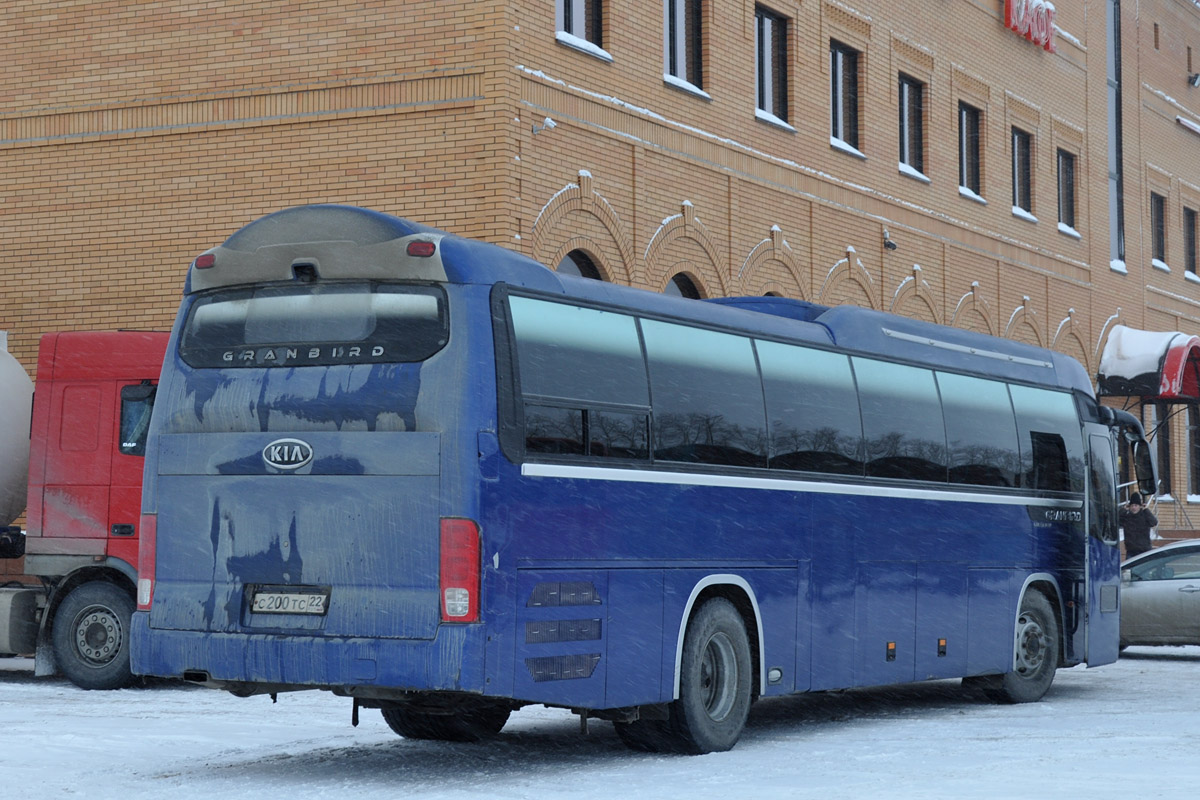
x=256, y=663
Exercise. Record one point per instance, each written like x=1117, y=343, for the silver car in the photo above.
x=1160, y=596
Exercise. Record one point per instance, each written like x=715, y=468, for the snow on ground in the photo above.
x=1120, y=731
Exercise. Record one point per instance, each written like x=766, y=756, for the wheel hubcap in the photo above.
x=98, y=635
x=718, y=677
x=1031, y=645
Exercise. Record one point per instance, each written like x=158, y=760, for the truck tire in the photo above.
x=91, y=636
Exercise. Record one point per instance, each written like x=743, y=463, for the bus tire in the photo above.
x=469, y=723
x=91, y=636
x=1037, y=654
x=715, y=683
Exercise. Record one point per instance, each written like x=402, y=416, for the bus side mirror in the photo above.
x=1143, y=462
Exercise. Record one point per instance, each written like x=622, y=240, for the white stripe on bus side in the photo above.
x=780, y=485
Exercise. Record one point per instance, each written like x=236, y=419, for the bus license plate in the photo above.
x=276, y=601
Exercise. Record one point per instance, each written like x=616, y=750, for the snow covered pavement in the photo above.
x=1124, y=730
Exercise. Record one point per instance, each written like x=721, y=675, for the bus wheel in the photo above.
x=470, y=722
x=714, y=681
x=1037, y=651
x=91, y=636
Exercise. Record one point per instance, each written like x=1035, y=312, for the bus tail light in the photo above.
x=147, y=554
x=421, y=249
x=205, y=261
x=459, y=570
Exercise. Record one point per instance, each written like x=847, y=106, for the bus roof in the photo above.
x=347, y=242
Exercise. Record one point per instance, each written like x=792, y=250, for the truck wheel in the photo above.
x=91, y=636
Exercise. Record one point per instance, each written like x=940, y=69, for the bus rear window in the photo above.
x=315, y=325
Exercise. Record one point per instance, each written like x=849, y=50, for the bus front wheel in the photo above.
x=1036, y=656
x=469, y=722
x=715, y=685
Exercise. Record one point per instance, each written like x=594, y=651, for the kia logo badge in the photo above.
x=287, y=454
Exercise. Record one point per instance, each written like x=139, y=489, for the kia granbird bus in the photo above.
x=438, y=478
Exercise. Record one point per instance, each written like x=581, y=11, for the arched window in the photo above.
x=682, y=286
x=579, y=263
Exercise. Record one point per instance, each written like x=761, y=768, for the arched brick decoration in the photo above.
x=771, y=259
x=589, y=248
x=973, y=313
x=1102, y=339
x=555, y=235
x=682, y=244
x=914, y=298
x=848, y=283
x=1069, y=339
x=1023, y=325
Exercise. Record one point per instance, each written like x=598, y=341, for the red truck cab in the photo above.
x=91, y=409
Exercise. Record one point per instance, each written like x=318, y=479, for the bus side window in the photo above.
x=812, y=409
x=902, y=421
x=583, y=380
x=981, y=431
x=137, y=402
x=708, y=402
x=1051, y=443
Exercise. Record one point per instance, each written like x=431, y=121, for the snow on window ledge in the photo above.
x=686, y=86
x=970, y=195
x=1021, y=213
x=583, y=45
x=1067, y=230
x=1191, y=276
x=771, y=119
x=908, y=170
x=1117, y=265
x=1159, y=264
x=845, y=147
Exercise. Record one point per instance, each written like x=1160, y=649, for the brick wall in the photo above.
x=134, y=135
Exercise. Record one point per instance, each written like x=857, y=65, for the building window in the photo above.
x=1022, y=171
x=682, y=286
x=770, y=68
x=1189, y=240
x=1194, y=452
x=581, y=19
x=969, y=152
x=1066, y=189
x=579, y=263
x=843, y=68
x=682, y=51
x=1158, y=227
x=1156, y=420
x=1116, y=170
x=912, y=123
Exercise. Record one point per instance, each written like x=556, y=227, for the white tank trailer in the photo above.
x=16, y=402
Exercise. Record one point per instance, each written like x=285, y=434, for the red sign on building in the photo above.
x=1033, y=19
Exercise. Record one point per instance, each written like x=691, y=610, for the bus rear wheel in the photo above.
x=715, y=686
x=91, y=636
x=468, y=722
x=1036, y=656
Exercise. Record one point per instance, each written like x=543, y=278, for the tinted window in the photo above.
x=902, y=421
x=981, y=432
x=580, y=353
x=812, y=409
x=1050, y=439
x=708, y=404
x=136, y=404
x=314, y=324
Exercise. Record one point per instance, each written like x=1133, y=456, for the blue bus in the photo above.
x=438, y=478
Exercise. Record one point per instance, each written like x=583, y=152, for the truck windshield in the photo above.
x=315, y=325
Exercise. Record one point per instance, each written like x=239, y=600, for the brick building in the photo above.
x=921, y=158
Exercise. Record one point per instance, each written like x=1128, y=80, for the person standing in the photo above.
x=1137, y=520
